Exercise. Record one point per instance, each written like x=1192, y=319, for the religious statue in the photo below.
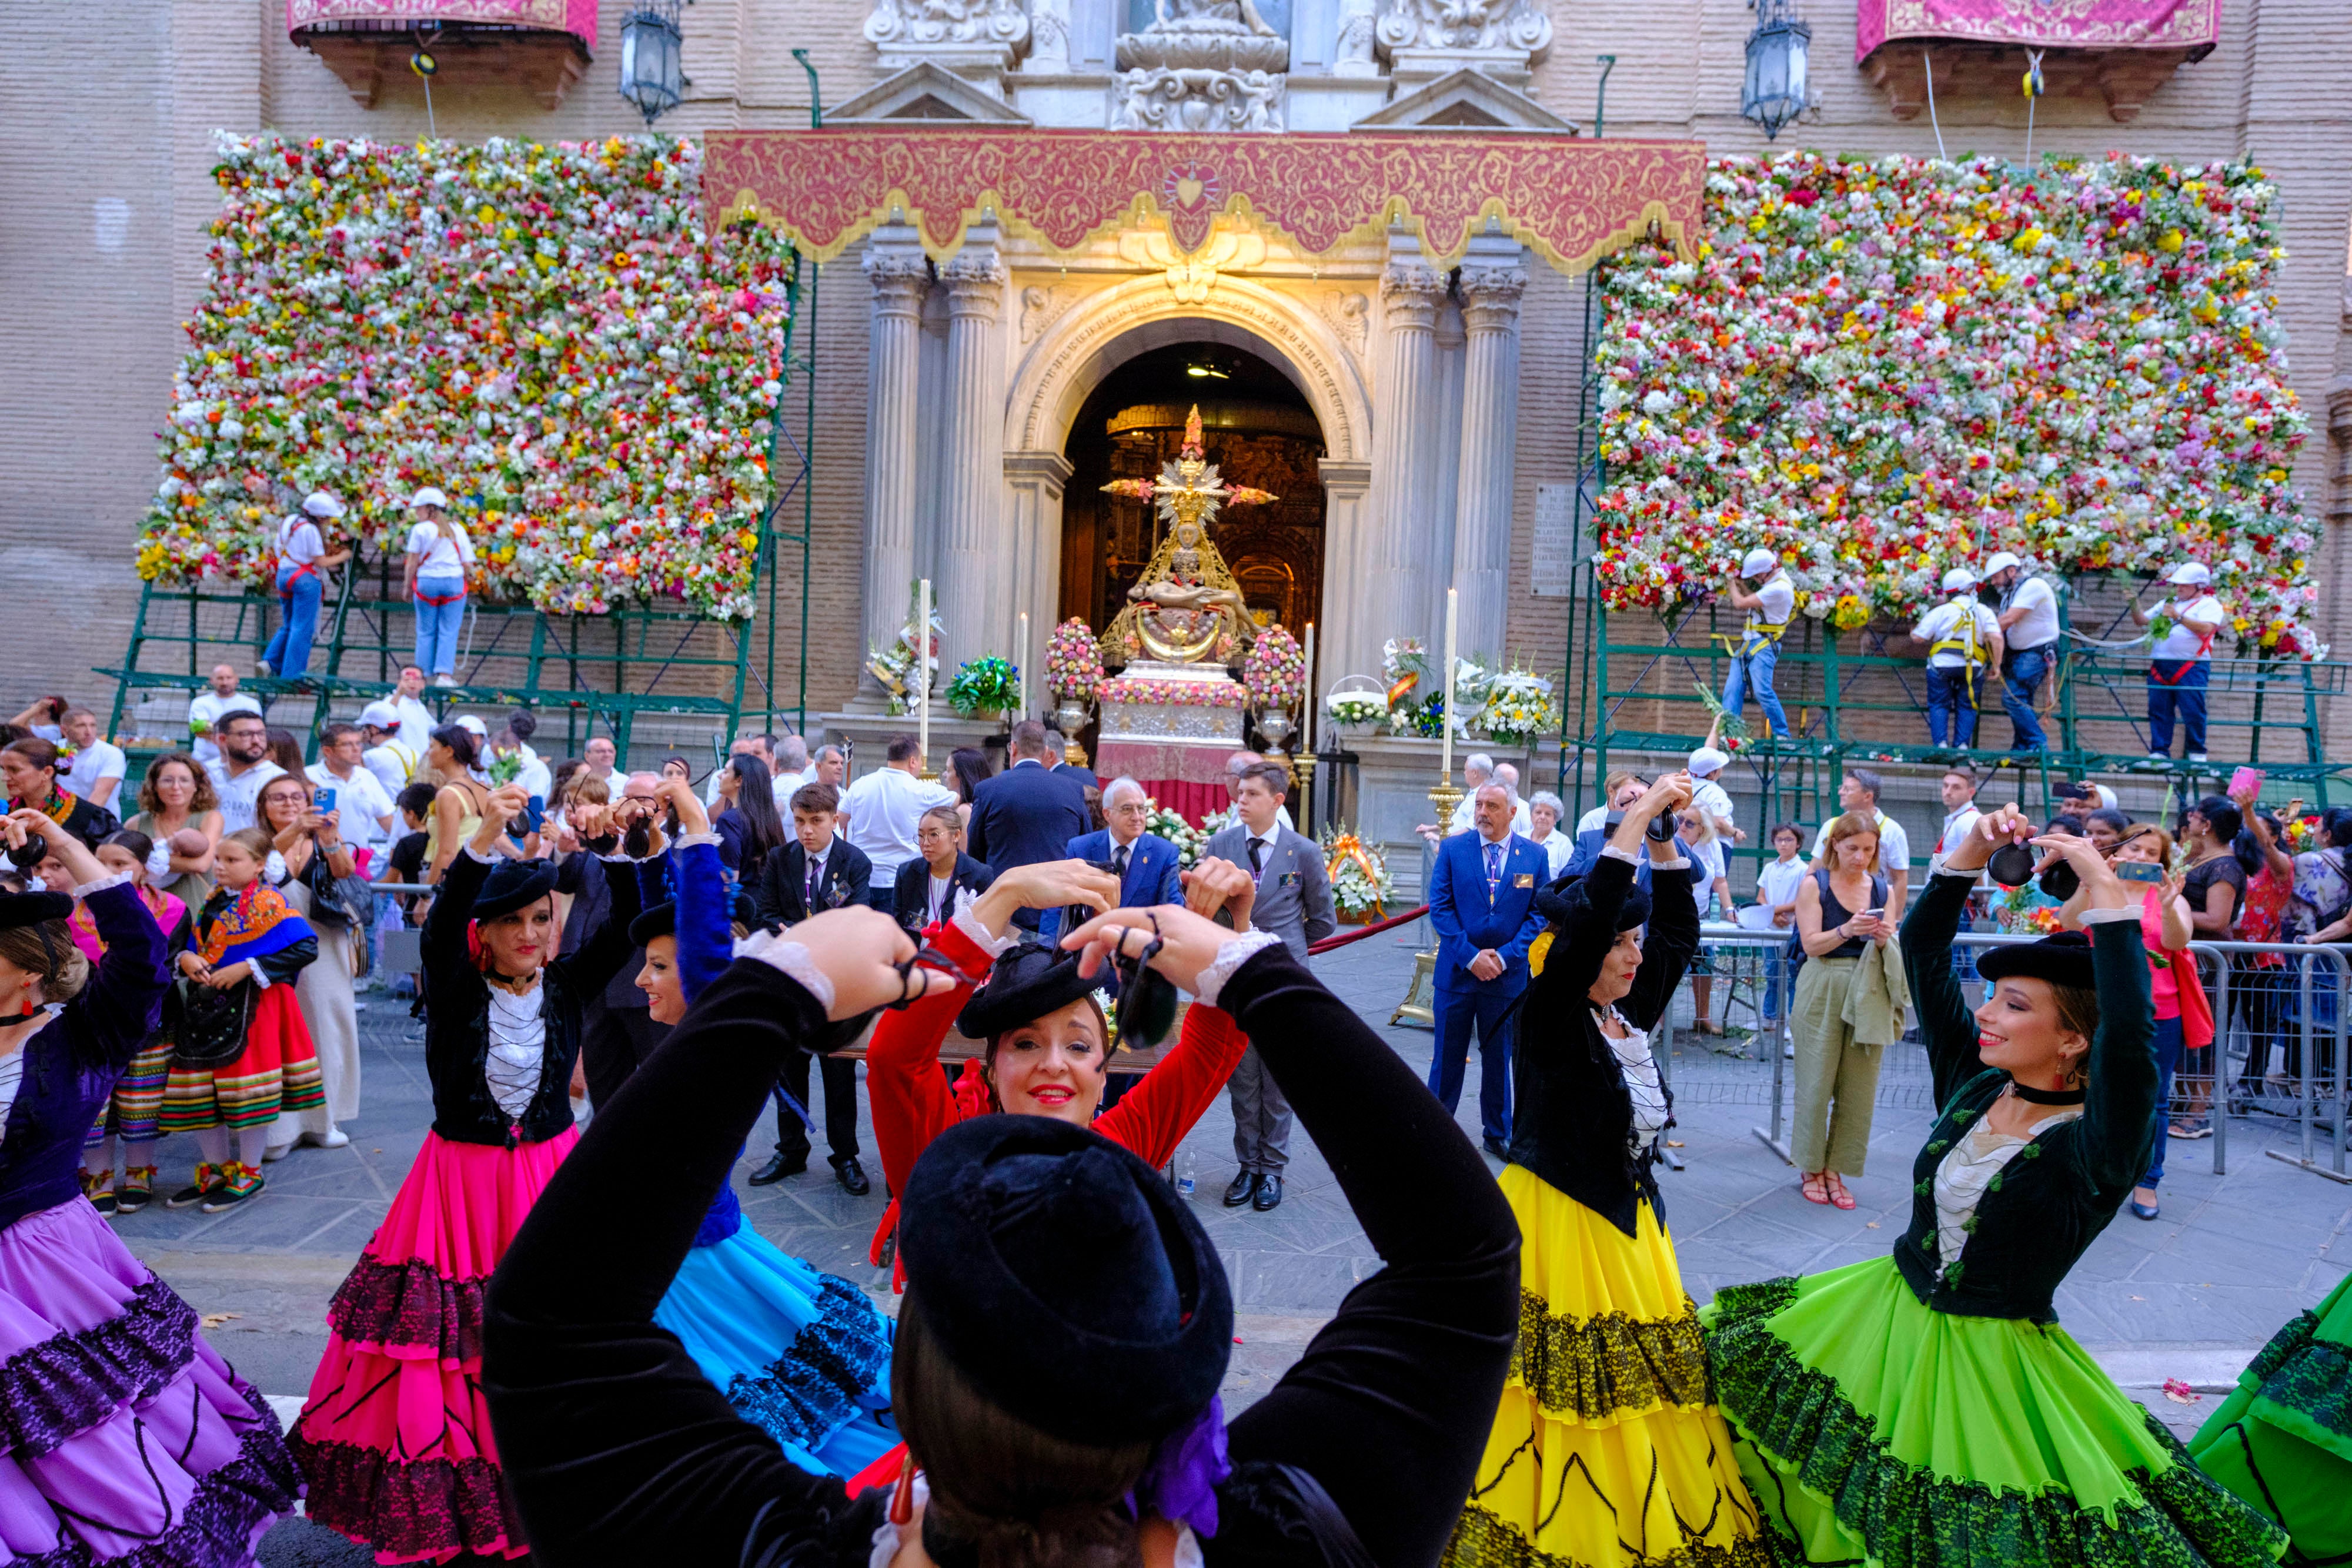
x=1187, y=607
x=1208, y=16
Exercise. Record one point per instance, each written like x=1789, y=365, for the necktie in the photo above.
x=1258, y=858
x=1118, y=863
x=808, y=895
x=1494, y=868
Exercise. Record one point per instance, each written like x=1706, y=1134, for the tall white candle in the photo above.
x=1021, y=654
x=923, y=670
x=1445, y=756
x=1306, y=719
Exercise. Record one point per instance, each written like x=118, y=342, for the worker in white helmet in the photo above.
x=2183, y=661
x=1769, y=609
x=2027, y=612
x=1963, y=639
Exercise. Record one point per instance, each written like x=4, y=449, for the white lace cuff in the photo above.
x=772, y=949
x=1230, y=959
x=273, y=870
x=978, y=935
x=1612, y=853
x=114, y=879
x=683, y=839
x=477, y=855
x=2104, y=916
x=1961, y=875
x=1681, y=862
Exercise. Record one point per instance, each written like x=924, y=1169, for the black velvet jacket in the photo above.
x=1573, y=1117
x=2046, y=1208
x=618, y=1451
x=457, y=1011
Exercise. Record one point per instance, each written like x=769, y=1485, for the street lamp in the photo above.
x=651, y=74
x=1775, y=91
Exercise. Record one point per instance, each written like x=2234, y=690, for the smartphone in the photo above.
x=1877, y=913
x=326, y=801
x=2139, y=870
x=534, y=813
x=2245, y=781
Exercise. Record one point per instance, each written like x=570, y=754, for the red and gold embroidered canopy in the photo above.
x=1571, y=201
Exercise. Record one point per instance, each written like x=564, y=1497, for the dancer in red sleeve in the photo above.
x=1048, y=1043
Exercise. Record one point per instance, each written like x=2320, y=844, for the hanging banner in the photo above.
x=2039, y=24
x=1570, y=199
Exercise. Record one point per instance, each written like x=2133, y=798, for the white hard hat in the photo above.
x=1758, y=563
x=1706, y=760
x=2002, y=561
x=2191, y=571
x=427, y=497
x=467, y=721
x=1958, y=578
x=380, y=715
x=319, y=504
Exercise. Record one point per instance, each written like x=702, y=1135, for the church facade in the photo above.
x=1417, y=424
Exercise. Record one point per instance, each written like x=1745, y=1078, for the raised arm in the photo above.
x=1945, y=1021
x=705, y=930
x=1670, y=942
x=121, y=1005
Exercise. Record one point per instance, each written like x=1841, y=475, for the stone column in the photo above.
x=1407, y=442
x=894, y=364
x=1490, y=440
x=1346, y=641
x=1032, y=580
x=974, y=474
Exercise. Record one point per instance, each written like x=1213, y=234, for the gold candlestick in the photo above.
x=1445, y=797
x=1417, y=1006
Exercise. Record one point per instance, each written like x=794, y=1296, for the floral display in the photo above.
x=1073, y=662
x=1360, y=883
x=2303, y=834
x=1166, y=823
x=2026, y=910
x=1353, y=710
x=1404, y=662
x=992, y=685
x=1878, y=368
x=1274, y=672
x=550, y=334
x=894, y=666
x=1177, y=694
x=1519, y=707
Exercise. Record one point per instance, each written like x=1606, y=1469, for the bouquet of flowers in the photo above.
x=1217, y=821
x=894, y=666
x=992, y=685
x=1353, y=709
x=1168, y=824
x=1073, y=663
x=1402, y=664
x=1519, y=707
x=2302, y=834
x=1274, y=672
x=1174, y=693
x=2026, y=910
x=1360, y=883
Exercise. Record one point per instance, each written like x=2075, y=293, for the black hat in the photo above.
x=661, y=920
x=2063, y=958
x=1564, y=899
x=32, y=908
x=1027, y=982
x=1028, y=1221
x=512, y=884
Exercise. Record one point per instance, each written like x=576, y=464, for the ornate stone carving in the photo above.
x=1411, y=291
x=1041, y=304
x=899, y=283
x=1482, y=25
x=1350, y=315
x=1049, y=36
x=1201, y=65
x=1358, y=28
x=898, y=23
x=1170, y=100
x=1490, y=297
x=1192, y=278
x=975, y=281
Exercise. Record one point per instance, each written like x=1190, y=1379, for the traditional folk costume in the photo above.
x=1926, y=1409
x=124, y=1438
x=85, y=820
x=2283, y=1440
x=801, y=1355
x=231, y=1107
x=129, y=1116
x=1606, y=1449
x=394, y=1437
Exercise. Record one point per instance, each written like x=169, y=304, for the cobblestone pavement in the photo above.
x=2190, y=1296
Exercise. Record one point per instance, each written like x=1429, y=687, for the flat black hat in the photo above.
x=1027, y=982
x=2063, y=958
x=1564, y=899
x=1029, y=1224
x=661, y=920
x=32, y=908
x=512, y=884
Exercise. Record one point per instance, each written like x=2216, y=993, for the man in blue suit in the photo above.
x=1027, y=814
x=1482, y=901
x=1146, y=863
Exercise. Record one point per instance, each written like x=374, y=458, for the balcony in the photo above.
x=2120, y=51
x=536, y=48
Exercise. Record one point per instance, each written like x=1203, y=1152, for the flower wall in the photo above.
x=548, y=333
x=1879, y=369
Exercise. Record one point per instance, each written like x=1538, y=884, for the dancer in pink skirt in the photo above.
x=124, y=1439
x=394, y=1439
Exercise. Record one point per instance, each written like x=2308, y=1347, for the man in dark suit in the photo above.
x=1482, y=902
x=819, y=869
x=927, y=885
x=1145, y=863
x=1057, y=754
x=1027, y=813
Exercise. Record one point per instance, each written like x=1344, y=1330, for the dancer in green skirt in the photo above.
x=2283, y=1439
x=1925, y=1410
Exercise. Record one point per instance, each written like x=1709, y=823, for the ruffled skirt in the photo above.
x=2283, y=1440
x=278, y=1070
x=1607, y=1451
x=1875, y=1429
x=395, y=1435
x=804, y=1356
x=124, y=1438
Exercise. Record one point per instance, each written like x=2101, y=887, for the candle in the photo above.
x=1445, y=756
x=923, y=672
x=1306, y=719
x=1021, y=652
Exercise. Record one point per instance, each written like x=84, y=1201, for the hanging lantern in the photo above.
x=1775, y=91
x=652, y=76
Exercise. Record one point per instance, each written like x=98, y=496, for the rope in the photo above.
x=2088, y=640
x=1360, y=932
x=1926, y=65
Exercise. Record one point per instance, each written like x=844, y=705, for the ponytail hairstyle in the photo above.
x=47, y=949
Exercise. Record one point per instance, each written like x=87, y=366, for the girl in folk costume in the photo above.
x=129, y=1114
x=802, y=1356
x=394, y=1439
x=127, y=1438
x=250, y=947
x=308, y=844
x=1606, y=1450
x=1926, y=1408
x=29, y=771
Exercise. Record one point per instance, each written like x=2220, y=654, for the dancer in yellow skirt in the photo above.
x=1606, y=1451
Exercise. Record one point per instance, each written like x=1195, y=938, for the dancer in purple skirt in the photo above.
x=123, y=1435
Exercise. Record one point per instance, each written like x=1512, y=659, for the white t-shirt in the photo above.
x=2038, y=627
x=393, y=766
x=1712, y=799
x=1956, y=828
x=2190, y=642
x=1779, y=602
x=1950, y=620
x=1894, y=845
x=360, y=803
x=415, y=723
x=94, y=764
x=298, y=541
x=240, y=797
x=885, y=809
x=1778, y=882
x=209, y=706
x=442, y=556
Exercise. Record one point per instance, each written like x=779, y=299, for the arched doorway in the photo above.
x=1257, y=428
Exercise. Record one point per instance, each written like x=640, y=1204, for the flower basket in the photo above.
x=985, y=687
x=1356, y=703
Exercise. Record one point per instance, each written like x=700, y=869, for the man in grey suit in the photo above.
x=1293, y=901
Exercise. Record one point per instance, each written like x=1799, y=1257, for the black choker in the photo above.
x=2033, y=1096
